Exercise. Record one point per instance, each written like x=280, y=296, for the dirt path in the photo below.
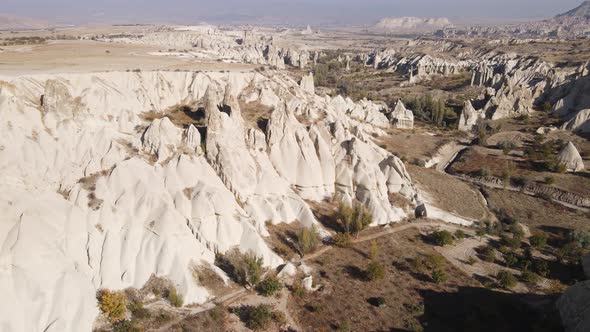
x=388, y=231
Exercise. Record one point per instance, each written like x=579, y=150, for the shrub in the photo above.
x=269, y=286
x=308, y=239
x=255, y=317
x=483, y=172
x=418, y=264
x=538, y=241
x=524, y=264
x=516, y=230
x=137, y=310
x=549, y=180
x=581, y=238
x=442, y=238
x=439, y=276
x=244, y=269
x=504, y=250
x=489, y=254
x=459, y=234
x=342, y=240
x=125, y=326
x=541, y=268
x=530, y=278
x=513, y=242
x=374, y=271
x=435, y=262
x=373, y=250
x=314, y=307
x=112, y=304
x=344, y=326
x=480, y=233
x=506, y=279
x=174, y=298
x=297, y=289
x=511, y=259
x=471, y=260
x=377, y=301
x=506, y=147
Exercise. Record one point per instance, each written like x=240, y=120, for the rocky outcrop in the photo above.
x=470, y=117
x=401, y=117
x=307, y=83
x=417, y=66
x=570, y=157
x=580, y=123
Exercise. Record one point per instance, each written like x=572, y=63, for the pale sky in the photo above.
x=281, y=11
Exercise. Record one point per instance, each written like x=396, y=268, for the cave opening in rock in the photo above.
x=225, y=109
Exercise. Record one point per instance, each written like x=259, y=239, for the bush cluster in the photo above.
x=269, y=286
x=244, y=268
x=112, y=304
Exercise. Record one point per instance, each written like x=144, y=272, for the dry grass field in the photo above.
x=413, y=302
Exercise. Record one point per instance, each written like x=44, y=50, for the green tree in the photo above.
x=269, y=286
x=442, y=238
x=354, y=219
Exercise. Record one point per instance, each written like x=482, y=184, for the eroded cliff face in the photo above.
x=102, y=186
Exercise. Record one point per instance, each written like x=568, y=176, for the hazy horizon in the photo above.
x=317, y=12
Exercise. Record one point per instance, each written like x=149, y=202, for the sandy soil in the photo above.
x=448, y=193
x=90, y=56
x=536, y=212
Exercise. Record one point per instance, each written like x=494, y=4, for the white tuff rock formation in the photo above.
x=580, y=123
x=469, y=117
x=570, y=157
x=307, y=83
x=94, y=195
x=401, y=117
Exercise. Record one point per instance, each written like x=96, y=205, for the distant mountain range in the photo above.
x=582, y=10
x=11, y=22
x=410, y=24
